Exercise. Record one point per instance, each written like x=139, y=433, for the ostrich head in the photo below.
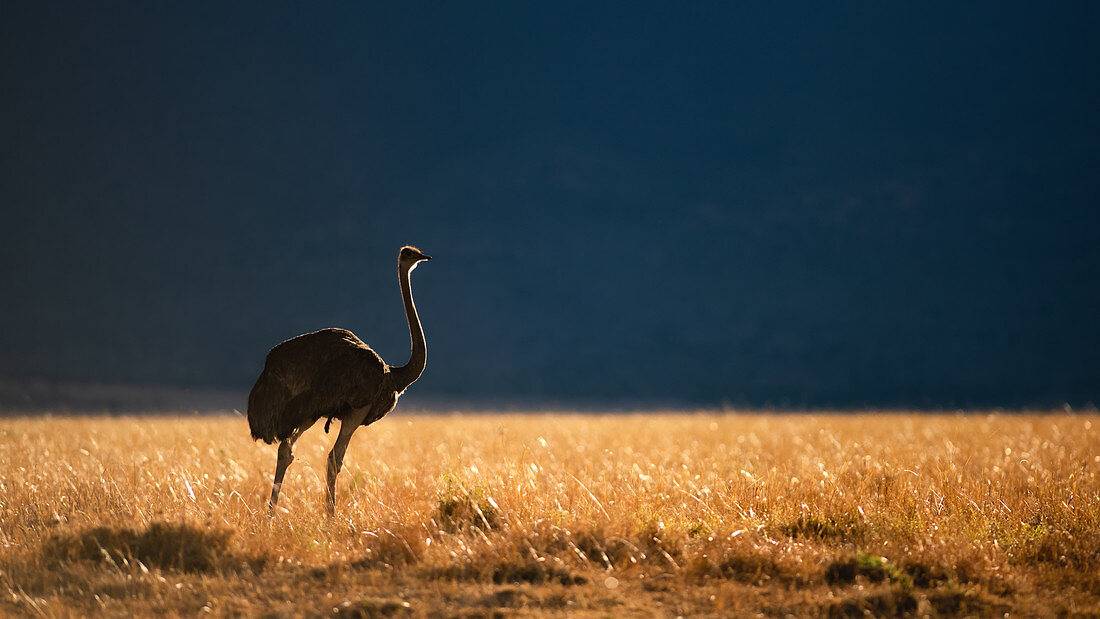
x=410, y=257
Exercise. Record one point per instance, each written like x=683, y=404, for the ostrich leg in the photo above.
x=336, y=457
x=285, y=458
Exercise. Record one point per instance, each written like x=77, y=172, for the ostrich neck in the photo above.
x=407, y=374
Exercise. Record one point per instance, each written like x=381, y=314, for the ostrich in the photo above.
x=331, y=373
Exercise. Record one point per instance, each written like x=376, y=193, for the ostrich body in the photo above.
x=331, y=373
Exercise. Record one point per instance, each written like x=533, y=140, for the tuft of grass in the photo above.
x=1075, y=547
x=460, y=508
x=751, y=566
x=599, y=547
x=842, y=528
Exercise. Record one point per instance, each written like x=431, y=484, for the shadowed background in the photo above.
x=773, y=204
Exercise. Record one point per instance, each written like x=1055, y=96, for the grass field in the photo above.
x=585, y=515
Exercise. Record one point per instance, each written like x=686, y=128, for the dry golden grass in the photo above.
x=603, y=515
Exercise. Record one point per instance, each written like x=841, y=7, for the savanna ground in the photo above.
x=585, y=515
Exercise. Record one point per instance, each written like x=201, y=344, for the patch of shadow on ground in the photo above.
x=864, y=567
x=515, y=573
x=509, y=597
x=181, y=547
x=749, y=567
x=372, y=608
x=898, y=602
x=870, y=568
x=516, y=597
x=915, y=589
